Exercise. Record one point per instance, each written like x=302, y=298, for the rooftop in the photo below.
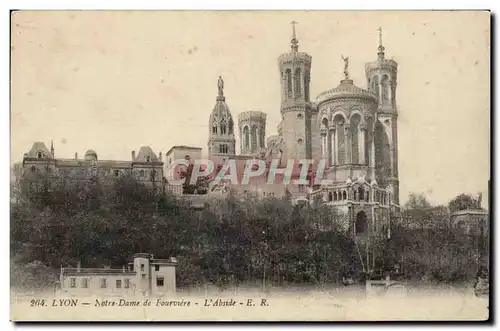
x=346, y=89
x=96, y=271
x=470, y=212
x=182, y=147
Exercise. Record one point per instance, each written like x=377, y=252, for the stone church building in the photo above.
x=353, y=129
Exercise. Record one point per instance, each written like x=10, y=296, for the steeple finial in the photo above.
x=380, y=47
x=220, y=86
x=346, y=66
x=52, y=148
x=295, y=42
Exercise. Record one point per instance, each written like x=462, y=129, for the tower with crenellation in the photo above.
x=381, y=78
x=298, y=115
x=252, y=126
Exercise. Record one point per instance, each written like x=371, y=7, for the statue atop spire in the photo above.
x=380, y=47
x=346, y=66
x=295, y=42
x=220, y=86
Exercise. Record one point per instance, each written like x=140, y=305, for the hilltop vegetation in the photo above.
x=231, y=241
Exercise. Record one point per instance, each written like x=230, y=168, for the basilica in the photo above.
x=353, y=129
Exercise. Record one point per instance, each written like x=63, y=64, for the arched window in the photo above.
x=262, y=137
x=361, y=222
x=326, y=142
x=339, y=122
x=368, y=141
x=375, y=87
x=39, y=155
x=298, y=79
x=254, y=138
x=141, y=174
x=355, y=121
x=289, y=82
x=355, y=195
x=33, y=169
x=382, y=154
x=148, y=158
x=246, y=136
x=385, y=89
x=330, y=196
x=223, y=127
x=231, y=126
x=306, y=86
x=344, y=195
x=334, y=196
x=361, y=193
x=223, y=149
x=367, y=196
x=214, y=129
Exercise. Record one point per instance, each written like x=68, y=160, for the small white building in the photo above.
x=145, y=275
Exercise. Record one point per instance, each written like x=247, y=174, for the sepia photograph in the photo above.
x=319, y=166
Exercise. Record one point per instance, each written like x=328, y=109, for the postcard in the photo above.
x=250, y=165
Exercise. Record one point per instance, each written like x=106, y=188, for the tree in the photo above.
x=416, y=201
x=202, y=183
x=463, y=202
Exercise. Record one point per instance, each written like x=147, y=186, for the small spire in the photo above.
x=295, y=42
x=380, y=47
x=52, y=148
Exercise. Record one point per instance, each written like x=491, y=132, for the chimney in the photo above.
x=160, y=157
x=76, y=156
x=133, y=155
x=78, y=266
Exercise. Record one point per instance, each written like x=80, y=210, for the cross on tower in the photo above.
x=295, y=42
x=380, y=47
x=293, y=27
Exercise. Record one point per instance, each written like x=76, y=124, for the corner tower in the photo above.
x=252, y=125
x=296, y=109
x=221, y=140
x=381, y=76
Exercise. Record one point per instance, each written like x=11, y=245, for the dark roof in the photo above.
x=182, y=147
x=163, y=261
x=145, y=151
x=39, y=146
x=86, y=163
x=96, y=271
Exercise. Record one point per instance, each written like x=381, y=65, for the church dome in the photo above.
x=346, y=89
x=221, y=111
x=90, y=155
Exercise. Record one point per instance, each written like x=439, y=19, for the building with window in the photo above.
x=471, y=221
x=40, y=163
x=144, y=275
x=353, y=129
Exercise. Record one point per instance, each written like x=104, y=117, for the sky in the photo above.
x=115, y=81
